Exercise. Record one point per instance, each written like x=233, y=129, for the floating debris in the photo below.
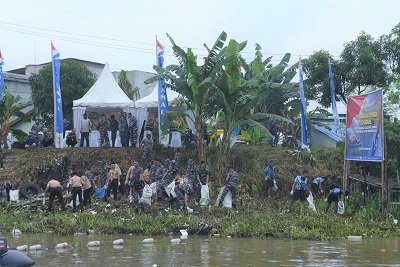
x=35, y=247
x=118, y=242
x=22, y=248
x=61, y=245
x=93, y=244
x=148, y=240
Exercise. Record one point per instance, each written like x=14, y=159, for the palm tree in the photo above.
x=9, y=107
x=193, y=81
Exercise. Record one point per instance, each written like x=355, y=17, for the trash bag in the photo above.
x=153, y=187
x=340, y=207
x=205, y=195
x=311, y=204
x=170, y=189
x=275, y=187
x=227, y=202
x=14, y=195
x=146, y=196
x=100, y=192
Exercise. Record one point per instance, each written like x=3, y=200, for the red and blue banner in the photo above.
x=58, y=111
x=1, y=76
x=364, y=127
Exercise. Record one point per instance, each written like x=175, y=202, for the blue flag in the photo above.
x=162, y=93
x=1, y=76
x=234, y=135
x=304, y=132
x=333, y=98
x=58, y=111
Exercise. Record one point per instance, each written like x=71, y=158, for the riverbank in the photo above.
x=257, y=219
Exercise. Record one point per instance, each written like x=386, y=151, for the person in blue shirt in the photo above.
x=269, y=172
x=334, y=196
x=317, y=186
x=299, y=188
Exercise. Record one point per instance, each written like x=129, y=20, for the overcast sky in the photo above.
x=122, y=32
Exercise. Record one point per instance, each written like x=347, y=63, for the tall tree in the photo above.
x=390, y=49
x=123, y=82
x=10, y=106
x=361, y=61
x=193, y=81
x=75, y=81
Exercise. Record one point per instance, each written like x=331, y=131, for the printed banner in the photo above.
x=364, y=127
x=162, y=96
x=304, y=131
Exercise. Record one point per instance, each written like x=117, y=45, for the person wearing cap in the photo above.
x=54, y=189
x=30, y=141
x=299, y=187
x=147, y=144
x=230, y=185
x=269, y=172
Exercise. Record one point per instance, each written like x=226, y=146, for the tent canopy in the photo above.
x=151, y=100
x=104, y=94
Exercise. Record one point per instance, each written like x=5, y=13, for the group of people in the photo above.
x=38, y=136
x=301, y=184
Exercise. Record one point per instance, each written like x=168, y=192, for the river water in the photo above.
x=213, y=251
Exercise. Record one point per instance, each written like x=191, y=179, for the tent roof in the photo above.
x=105, y=93
x=152, y=99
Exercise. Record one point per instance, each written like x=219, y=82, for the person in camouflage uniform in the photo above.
x=135, y=182
x=114, y=126
x=182, y=190
x=124, y=130
x=191, y=172
x=230, y=185
x=103, y=129
x=158, y=176
x=147, y=144
x=133, y=129
x=170, y=173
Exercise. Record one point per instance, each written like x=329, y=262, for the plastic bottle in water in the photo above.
x=8, y=139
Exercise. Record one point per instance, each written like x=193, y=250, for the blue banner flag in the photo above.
x=333, y=98
x=304, y=132
x=162, y=94
x=58, y=111
x=1, y=76
x=234, y=135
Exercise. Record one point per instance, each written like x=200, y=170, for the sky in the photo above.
x=123, y=32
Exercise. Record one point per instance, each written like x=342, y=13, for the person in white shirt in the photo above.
x=85, y=129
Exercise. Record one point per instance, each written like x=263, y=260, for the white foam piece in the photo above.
x=118, y=242
x=175, y=241
x=184, y=232
x=22, y=248
x=35, y=247
x=354, y=237
x=148, y=240
x=61, y=245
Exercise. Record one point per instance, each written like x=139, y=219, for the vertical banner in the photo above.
x=364, y=127
x=304, y=132
x=1, y=76
x=162, y=96
x=234, y=135
x=58, y=111
x=333, y=98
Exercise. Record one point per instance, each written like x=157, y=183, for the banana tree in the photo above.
x=9, y=107
x=193, y=81
x=238, y=94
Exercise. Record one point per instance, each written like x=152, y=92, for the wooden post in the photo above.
x=345, y=178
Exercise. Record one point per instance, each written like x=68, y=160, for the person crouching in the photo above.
x=181, y=190
x=54, y=189
x=334, y=196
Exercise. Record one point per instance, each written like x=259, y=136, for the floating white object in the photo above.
x=16, y=231
x=395, y=221
x=23, y=247
x=154, y=265
x=148, y=240
x=355, y=237
x=183, y=232
x=175, y=241
x=35, y=247
x=93, y=244
x=118, y=242
x=61, y=245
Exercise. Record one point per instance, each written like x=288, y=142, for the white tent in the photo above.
x=105, y=96
x=151, y=100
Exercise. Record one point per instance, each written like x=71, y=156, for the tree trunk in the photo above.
x=198, y=121
x=4, y=131
x=221, y=160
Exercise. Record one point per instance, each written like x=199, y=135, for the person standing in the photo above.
x=36, y=128
x=133, y=129
x=299, y=188
x=76, y=184
x=147, y=145
x=123, y=130
x=230, y=185
x=113, y=180
x=87, y=189
x=103, y=129
x=134, y=181
x=54, y=189
x=271, y=125
x=114, y=129
x=86, y=125
x=269, y=172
